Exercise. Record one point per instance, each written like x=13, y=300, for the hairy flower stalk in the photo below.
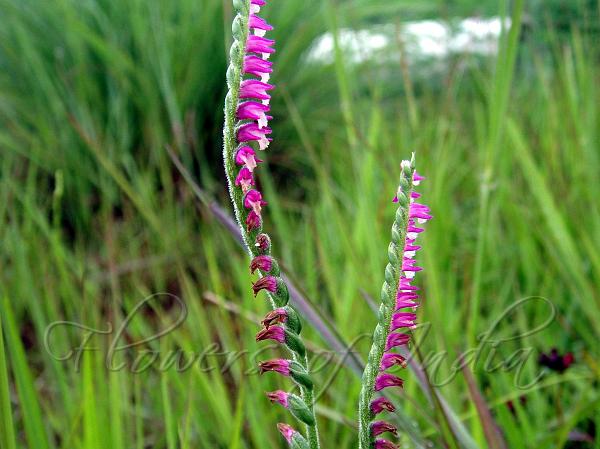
x=396, y=313
x=245, y=132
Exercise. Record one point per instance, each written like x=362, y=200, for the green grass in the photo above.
x=94, y=217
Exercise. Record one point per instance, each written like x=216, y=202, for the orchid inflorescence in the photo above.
x=246, y=132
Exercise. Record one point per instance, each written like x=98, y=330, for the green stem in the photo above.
x=388, y=305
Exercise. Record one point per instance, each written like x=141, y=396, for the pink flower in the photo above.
x=246, y=156
x=263, y=263
x=256, y=22
x=275, y=333
x=379, y=427
x=403, y=319
x=287, y=432
x=384, y=444
x=409, y=265
x=275, y=316
x=280, y=366
x=390, y=359
x=253, y=200
x=268, y=283
x=258, y=44
x=253, y=65
x=380, y=404
x=255, y=89
x=394, y=340
x=419, y=211
x=244, y=179
x=279, y=396
x=387, y=380
x=251, y=110
x=251, y=131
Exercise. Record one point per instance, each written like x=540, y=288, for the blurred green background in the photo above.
x=95, y=217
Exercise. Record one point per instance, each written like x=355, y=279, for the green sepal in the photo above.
x=299, y=442
x=300, y=376
x=299, y=409
x=237, y=28
x=294, y=343
x=292, y=323
x=240, y=5
x=281, y=297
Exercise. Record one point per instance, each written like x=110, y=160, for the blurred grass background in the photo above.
x=94, y=217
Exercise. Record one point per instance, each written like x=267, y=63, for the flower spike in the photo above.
x=398, y=294
x=246, y=130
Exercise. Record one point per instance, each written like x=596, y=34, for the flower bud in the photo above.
x=299, y=375
x=263, y=243
x=299, y=409
x=278, y=396
x=293, y=437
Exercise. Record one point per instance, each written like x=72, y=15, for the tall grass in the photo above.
x=95, y=218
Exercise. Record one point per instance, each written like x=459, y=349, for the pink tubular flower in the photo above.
x=380, y=404
x=253, y=200
x=268, y=283
x=394, y=340
x=253, y=221
x=258, y=23
x=244, y=179
x=275, y=316
x=409, y=265
x=253, y=65
x=403, y=319
x=263, y=263
x=246, y=156
x=419, y=211
x=379, y=427
x=251, y=131
x=287, y=432
x=255, y=89
x=258, y=44
x=278, y=396
x=280, y=366
x=384, y=444
x=387, y=380
x=275, y=333
x=390, y=359
x=251, y=110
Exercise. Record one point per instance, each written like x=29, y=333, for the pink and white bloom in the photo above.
x=246, y=156
x=244, y=179
x=392, y=359
x=252, y=132
x=253, y=200
x=395, y=339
